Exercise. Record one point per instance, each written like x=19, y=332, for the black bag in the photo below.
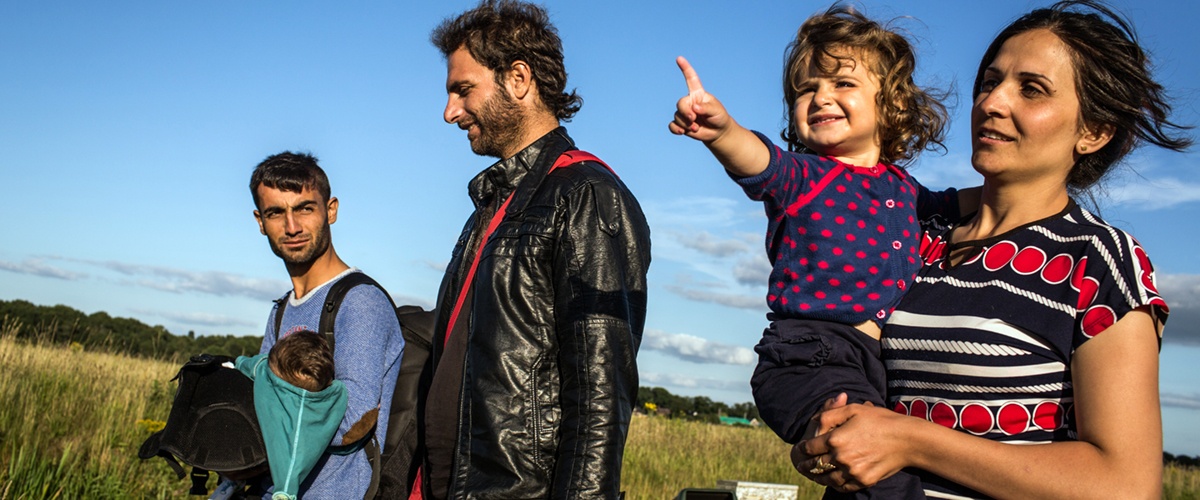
x=212, y=425
x=395, y=470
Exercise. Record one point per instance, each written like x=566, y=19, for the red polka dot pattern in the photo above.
x=813, y=201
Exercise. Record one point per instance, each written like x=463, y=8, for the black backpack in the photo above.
x=212, y=425
x=395, y=470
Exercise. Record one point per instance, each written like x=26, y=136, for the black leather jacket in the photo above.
x=550, y=375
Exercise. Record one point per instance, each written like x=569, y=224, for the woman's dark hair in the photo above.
x=499, y=33
x=910, y=119
x=1112, y=77
x=292, y=172
x=303, y=359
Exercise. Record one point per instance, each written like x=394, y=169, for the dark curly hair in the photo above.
x=288, y=171
x=498, y=33
x=1112, y=77
x=910, y=119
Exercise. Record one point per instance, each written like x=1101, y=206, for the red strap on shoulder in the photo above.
x=567, y=158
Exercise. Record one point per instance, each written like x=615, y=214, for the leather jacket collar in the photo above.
x=504, y=176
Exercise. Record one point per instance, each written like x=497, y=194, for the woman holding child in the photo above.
x=1031, y=321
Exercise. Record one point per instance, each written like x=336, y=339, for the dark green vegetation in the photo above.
x=698, y=408
x=98, y=331
x=1180, y=460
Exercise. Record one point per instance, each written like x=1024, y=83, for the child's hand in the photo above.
x=815, y=428
x=700, y=115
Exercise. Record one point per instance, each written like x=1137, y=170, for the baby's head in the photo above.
x=848, y=86
x=304, y=360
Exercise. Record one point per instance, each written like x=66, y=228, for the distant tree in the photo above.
x=61, y=324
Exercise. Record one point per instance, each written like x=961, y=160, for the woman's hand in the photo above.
x=866, y=445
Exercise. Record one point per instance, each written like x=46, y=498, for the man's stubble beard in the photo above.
x=501, y=124
x=316, y=248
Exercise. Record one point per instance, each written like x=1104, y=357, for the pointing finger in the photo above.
x=689, y=74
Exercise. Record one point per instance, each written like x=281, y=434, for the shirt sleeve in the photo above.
x=931, y=203
x=785, y=178
x=366, y=324
x=1114, y=278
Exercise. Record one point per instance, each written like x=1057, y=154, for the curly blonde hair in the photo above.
x=910, y=119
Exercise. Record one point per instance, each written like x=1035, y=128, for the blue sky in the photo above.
x=128, y=132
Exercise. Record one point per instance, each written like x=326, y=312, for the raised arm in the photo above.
x=701, y=116
x=1118, y=454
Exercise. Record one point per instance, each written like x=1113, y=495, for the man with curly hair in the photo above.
x=541, y=310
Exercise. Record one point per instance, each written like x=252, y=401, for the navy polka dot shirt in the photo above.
x=842, y=239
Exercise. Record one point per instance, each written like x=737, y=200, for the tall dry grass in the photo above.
x=663, y=456
x=68, y=430
x=68, y=422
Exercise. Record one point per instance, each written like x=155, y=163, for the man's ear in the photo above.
x=258, y=217
x=331, y=209
x=1094, y=138
x=520, y=80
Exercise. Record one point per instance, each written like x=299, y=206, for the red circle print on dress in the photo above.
x=1029, y=260
x=1147, y=276
x=900, y=408
x=1048, y=416
x=976, y=419
x=1013, y=418
x=1098, y=319
x=999, y=255
x=1058, y=269
x=1077, y=275
x=943, y=415
x=918, y=408
x=1087, y=292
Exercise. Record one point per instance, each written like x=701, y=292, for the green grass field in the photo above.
x=69, y=429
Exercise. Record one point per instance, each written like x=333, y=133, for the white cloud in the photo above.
x=1179, y=289
x=175, y=280
x=411, y=300
x=695, y=211
x=752, y=271
x=37, y=268
x=1182, y=293
x=685, y=278
x=725, y=299
x=1185, y=401
x=706, y=243
x=436, y=266
x=203, y=319
x=1154, y=194
x=684, y=381
x=695, y=349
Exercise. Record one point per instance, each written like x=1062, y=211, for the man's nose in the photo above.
x=292, y=226
x=453, y=110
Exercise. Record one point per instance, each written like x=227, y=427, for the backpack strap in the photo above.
x=280, y=305
x=333, y=302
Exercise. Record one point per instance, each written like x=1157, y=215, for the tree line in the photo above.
x=61, y=324
x=698, y=408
